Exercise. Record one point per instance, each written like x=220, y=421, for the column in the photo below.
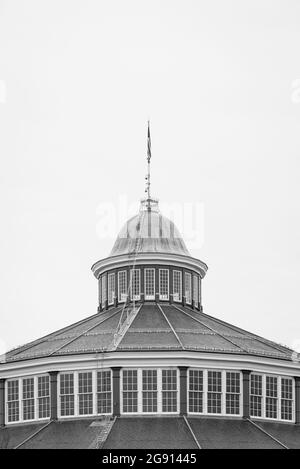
x=183, y=389
x=297, y=399
x=246, y=391
x=2, y=402
x=53, y=395
x=116, y=390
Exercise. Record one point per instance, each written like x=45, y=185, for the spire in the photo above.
x=148, y=173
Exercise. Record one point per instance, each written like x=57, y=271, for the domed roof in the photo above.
x=149, y=231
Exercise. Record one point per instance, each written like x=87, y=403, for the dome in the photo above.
x=149, y=231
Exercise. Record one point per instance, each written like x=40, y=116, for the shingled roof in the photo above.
x=155, y=327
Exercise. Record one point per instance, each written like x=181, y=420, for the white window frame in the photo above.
x=149, y=297
x=133, y=284
x=122, y=297
x=188, y=297
x=140, y=391
x=223, y=392
x=76, y=394
x=103, y=289
x=196, y=290
x=163, y=297
x=279, y=398
x=177, y=296
x=20, y=400
x=96, y=394
x=111, y=288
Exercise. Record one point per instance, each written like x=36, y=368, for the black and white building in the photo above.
x=150, y=368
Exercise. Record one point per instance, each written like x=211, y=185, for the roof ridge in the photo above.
x=171, y=326
x=216, y=332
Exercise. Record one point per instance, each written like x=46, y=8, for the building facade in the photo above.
x=151, y=351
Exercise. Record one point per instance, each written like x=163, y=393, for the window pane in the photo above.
x=67, y=383
x=122, y=286
x=214, y=396
x=67, y=394
x=135, y=284
x=103, y=289
x=169, y=390
x=130, y=395
x=214, y=403
x=67, y=405
x=149, y=284
x=177, y=285
x=28, y=399
x=286, y=398
x=188, y=288
x=111, y=288
x=149, y=390
x=43, y=397
x=104, y=392
x=255, y=395
x=195, y=291
x=196, y=391
x=164, y=284
x=13, y=401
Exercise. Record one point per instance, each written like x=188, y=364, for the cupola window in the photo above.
x=130, y=391
x=122, y=286
x=163, y=284
x=135, y=284
x=111, y=288
x=233, y=393
x=44, y=397
x=103, y=290
x=196, y=391
x=195, y=291
x=169, y=390
x=188, y=288
x=177, y=285
x=149, y=284
x=214, y=394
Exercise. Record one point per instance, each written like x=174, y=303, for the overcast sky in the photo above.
x=220, y=81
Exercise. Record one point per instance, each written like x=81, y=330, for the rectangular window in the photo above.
x=67, y=394
x=199, y=291
x=122, y=286
x=111, y=288
x=169, y=390
x=135, y=281
x=149, y=390
x=195, y=291
x=232, y=393
x=196, y=391
x=85, y=393
x=149, y=284
x=188, y=288
x=43, y=397
x=214, y=394
x=13, y=411
x=28, y=399
x=255, y=395
x=104, y=392
x=177, y=285
x=130, y=391
x=163, y=284
x=286, y=398
x=271, y=397
x=103, y=289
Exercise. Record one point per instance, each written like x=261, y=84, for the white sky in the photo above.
x=78, y=81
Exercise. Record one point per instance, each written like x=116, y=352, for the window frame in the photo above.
x=163, y=297
x=149, y=297
x=20, y=379
x=133, y=273
x=279, y=397
x=188, y=299
x=111, y=288
x=179, y=298
x=122, y=297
